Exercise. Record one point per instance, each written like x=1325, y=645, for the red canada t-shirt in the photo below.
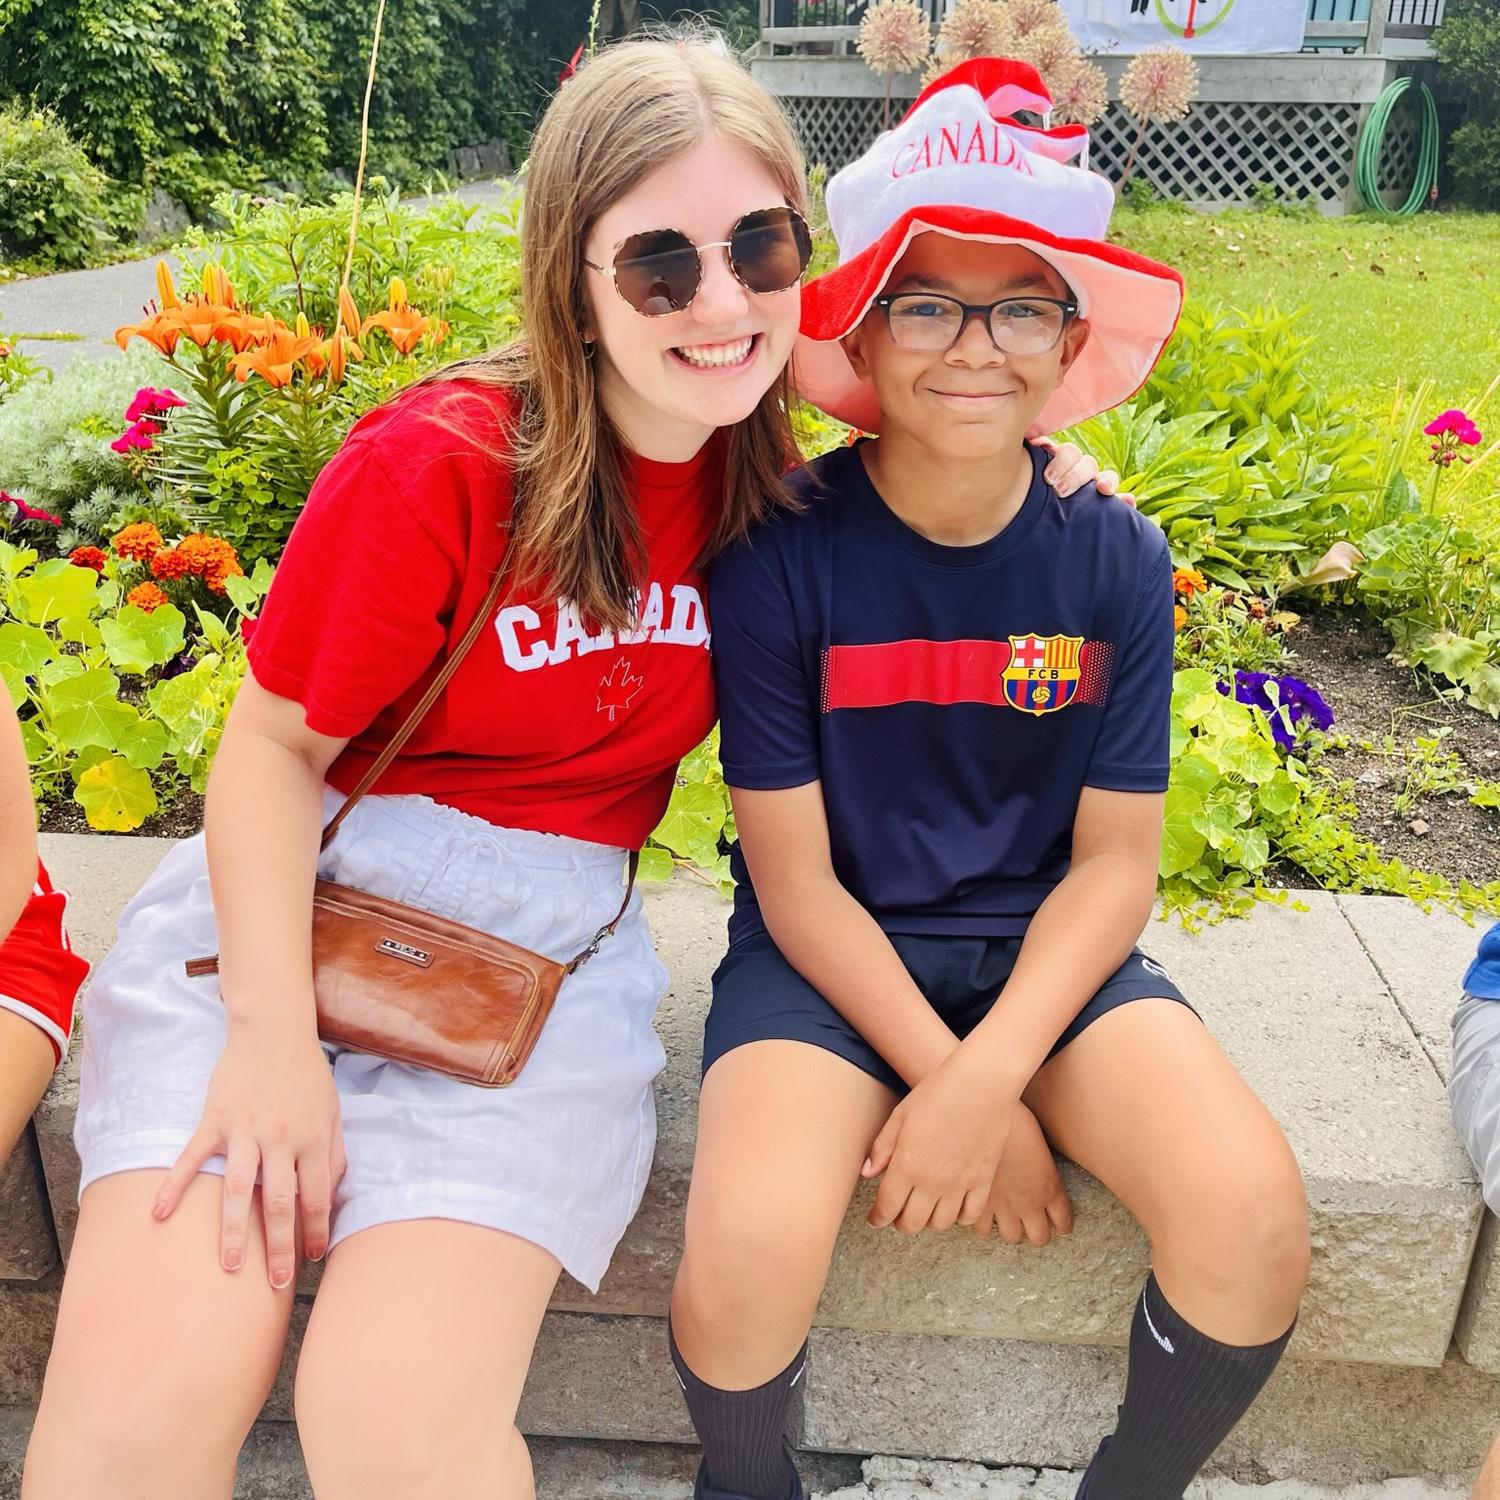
x=548, y=724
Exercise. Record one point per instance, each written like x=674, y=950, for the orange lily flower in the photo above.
x=348, y=312
x=159, y=329
x=276, y=358
x=405, y=325
x=239, y=329
x=164, y=287
x=200, y=319
x=216, y=286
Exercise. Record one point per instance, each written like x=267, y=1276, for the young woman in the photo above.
x=641, y=427
x=39, y=972
x=945, y=724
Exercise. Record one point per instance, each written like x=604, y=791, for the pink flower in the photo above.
x=1448, y=421
x=1453, y=430
x=137, y=435
x=151, y=402
x=25, y=512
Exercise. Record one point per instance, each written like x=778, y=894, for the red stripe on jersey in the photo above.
x=914, y=672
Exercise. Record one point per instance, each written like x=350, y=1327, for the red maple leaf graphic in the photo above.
x=617, y=688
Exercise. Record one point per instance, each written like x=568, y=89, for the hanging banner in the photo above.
x=1196, y=25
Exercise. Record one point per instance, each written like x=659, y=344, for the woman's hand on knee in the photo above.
x=272, y=1112
x=1027, y=1200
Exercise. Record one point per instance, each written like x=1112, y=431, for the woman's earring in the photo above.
x=588, y=348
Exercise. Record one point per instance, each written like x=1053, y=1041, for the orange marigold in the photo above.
x=146, y=596
x=1187, y=582
x=170, y=564
x=1179, y=617
x=138, y=543
x=89, y=557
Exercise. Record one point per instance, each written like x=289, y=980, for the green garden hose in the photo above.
x=1372, y=145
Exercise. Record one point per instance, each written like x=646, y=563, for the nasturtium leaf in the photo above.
x=694, y=816
x=1182, y=841
x=656, y=864
x=26, y=647
x=137, y=639
x=86, y=710
x=58, y=593
x=115, y=797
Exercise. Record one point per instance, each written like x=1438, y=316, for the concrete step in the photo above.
x=1326, y=1016
x=271, y=1469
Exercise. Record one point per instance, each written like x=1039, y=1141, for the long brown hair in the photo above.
x=631, y=109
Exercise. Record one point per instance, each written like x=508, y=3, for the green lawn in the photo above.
x=1386, y=300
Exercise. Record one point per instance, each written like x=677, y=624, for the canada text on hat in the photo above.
x=961, y=163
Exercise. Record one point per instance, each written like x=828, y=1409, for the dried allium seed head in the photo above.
x=1159, y=85
x=973, y=28
x=1080, y=93
x=893, y=37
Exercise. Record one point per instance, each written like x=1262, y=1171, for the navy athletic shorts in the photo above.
x=758, y=996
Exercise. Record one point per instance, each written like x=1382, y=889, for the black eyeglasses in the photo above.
x=659, y=271
x=1017, y=325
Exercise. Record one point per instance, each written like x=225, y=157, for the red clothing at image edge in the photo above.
x=546, y=725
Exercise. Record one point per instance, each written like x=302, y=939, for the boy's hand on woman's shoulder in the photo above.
x=939, y=1151
x=1027, y=1200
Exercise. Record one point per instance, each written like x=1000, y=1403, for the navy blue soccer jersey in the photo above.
x=953, y=701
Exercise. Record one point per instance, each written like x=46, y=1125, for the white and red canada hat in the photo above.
x=960, y=163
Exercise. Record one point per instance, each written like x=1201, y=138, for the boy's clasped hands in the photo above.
x=957, y=1151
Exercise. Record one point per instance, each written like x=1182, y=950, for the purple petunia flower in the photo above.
x=1295, y=703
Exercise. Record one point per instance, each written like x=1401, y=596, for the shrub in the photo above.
x=52, y=198
x=1467, y=44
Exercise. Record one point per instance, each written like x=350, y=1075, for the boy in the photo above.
x=945, y=726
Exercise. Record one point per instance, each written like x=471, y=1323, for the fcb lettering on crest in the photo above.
x=1043, y=672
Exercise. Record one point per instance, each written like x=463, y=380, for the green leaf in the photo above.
x=1182, y=840
x=85, y=760
x=115, y=797
x=25, y=647
x=242, y=593
x=695, y=815
x=86, y=710
x=15, y=684
x=656, y=864
x=137, y=640
x=215, y=631
x=59, y=593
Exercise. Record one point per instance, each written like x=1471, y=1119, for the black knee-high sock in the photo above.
x=746, y=1455
x=1184, y=1393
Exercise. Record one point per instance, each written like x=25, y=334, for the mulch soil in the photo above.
x=1344, y=655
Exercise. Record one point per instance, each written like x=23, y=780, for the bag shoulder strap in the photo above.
x=580, y=959
x=418, y=713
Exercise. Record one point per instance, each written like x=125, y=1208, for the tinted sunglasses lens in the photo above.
x=657, y=273
x=770, y=249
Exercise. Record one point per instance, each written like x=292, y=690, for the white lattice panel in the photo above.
x=1217, y=155
x=835, y=130
x=1222, y=151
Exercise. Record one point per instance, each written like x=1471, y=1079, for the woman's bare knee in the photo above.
x=161, y=1360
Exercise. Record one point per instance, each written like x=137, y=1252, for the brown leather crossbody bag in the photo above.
x=400, y=983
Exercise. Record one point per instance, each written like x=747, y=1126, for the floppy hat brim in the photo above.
x=1131, y=303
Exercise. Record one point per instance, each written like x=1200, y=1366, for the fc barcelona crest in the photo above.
x=1043, y=672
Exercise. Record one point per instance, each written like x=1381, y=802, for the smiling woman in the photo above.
x=592, y=471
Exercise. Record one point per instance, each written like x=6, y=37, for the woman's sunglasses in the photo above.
x=659, y=271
